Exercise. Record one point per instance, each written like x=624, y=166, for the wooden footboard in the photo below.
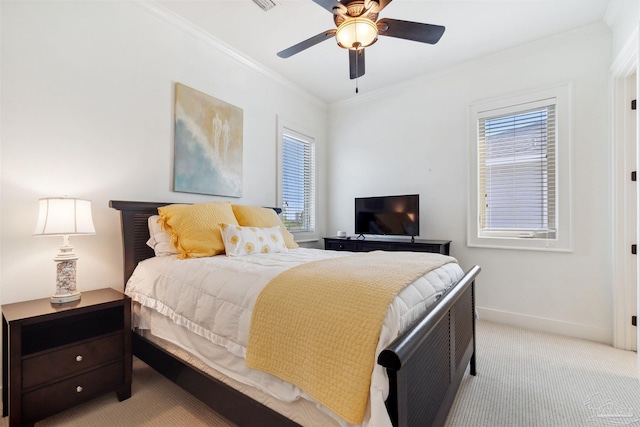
x=425, y=364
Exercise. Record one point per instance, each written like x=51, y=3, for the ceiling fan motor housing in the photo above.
x=355, y=9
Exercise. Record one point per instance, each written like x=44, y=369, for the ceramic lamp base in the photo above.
x=65, y=279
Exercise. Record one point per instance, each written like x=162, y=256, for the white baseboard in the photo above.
x=541, y=324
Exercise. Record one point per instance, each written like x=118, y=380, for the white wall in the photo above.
x=87, y=110
x=415, y=138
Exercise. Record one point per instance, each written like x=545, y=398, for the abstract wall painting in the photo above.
x=208, y=144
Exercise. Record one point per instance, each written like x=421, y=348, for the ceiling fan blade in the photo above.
x=416, y=31
x=296, y=48
x=329, y=4
x=382, y=4
x=356, y=63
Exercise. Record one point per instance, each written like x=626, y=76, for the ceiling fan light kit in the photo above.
x=356, y=33
x=358, y=27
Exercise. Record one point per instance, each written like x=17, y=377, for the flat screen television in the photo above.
x=388, y=215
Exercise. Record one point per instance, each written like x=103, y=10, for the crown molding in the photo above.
x=614, y=12
x=198, y=33
x=626, y=61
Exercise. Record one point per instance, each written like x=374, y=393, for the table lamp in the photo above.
x=62, y=216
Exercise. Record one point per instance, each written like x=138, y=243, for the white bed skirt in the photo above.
x=302, y=411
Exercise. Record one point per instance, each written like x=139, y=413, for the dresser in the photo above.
x=57, y=356
x=368, y=245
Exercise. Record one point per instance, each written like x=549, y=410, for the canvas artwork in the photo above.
x=208, y=144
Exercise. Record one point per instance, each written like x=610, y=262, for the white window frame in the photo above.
x=562, y=241
x=304, y=135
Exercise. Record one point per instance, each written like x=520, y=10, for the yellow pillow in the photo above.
x=255, y=216
x=195, y=229
x=240, y=240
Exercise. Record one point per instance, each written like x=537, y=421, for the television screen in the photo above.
x=391, y=215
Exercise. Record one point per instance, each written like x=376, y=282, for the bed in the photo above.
x=424, y=365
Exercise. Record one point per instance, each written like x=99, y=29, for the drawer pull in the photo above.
x=79, y=358
x=79, y=389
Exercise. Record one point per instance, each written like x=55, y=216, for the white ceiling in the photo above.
x=474, y=28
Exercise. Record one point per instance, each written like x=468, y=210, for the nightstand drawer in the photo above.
x=340, y=245
x=45, y=401
x=67, y=361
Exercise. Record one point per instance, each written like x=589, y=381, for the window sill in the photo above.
x=514, y=243
x=305, y=237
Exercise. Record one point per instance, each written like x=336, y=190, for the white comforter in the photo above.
x=214, y=298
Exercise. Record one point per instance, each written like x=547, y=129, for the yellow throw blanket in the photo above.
x=318, y=325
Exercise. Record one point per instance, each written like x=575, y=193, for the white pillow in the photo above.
x=160, y=239
x=239, y=240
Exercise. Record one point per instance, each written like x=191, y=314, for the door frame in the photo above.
x=624, y=140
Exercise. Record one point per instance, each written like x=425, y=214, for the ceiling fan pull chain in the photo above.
x=357, y=70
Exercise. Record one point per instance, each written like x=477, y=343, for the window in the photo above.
x=297, y=183
x=516, y=172
x=517, y=153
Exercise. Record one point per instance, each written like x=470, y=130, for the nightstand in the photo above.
x=367, y=245
x=57, y=356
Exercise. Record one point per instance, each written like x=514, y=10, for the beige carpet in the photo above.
x=524, y=379
x=531, y=379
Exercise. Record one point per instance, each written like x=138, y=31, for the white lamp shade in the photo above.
x=356, y=33
x=61, y=216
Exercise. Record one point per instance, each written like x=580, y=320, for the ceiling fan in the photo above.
x=358, y=27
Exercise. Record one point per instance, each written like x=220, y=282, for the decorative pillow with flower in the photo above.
x=256, y=216
x=239, y=240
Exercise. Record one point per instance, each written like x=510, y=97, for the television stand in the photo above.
x=368, y=245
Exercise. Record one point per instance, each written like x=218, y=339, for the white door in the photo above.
x=631, y=166
x=625, y=208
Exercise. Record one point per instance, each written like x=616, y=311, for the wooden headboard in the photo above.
x=135, y=231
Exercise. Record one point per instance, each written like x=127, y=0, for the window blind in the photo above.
x=298, y=183
x=517, y=172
